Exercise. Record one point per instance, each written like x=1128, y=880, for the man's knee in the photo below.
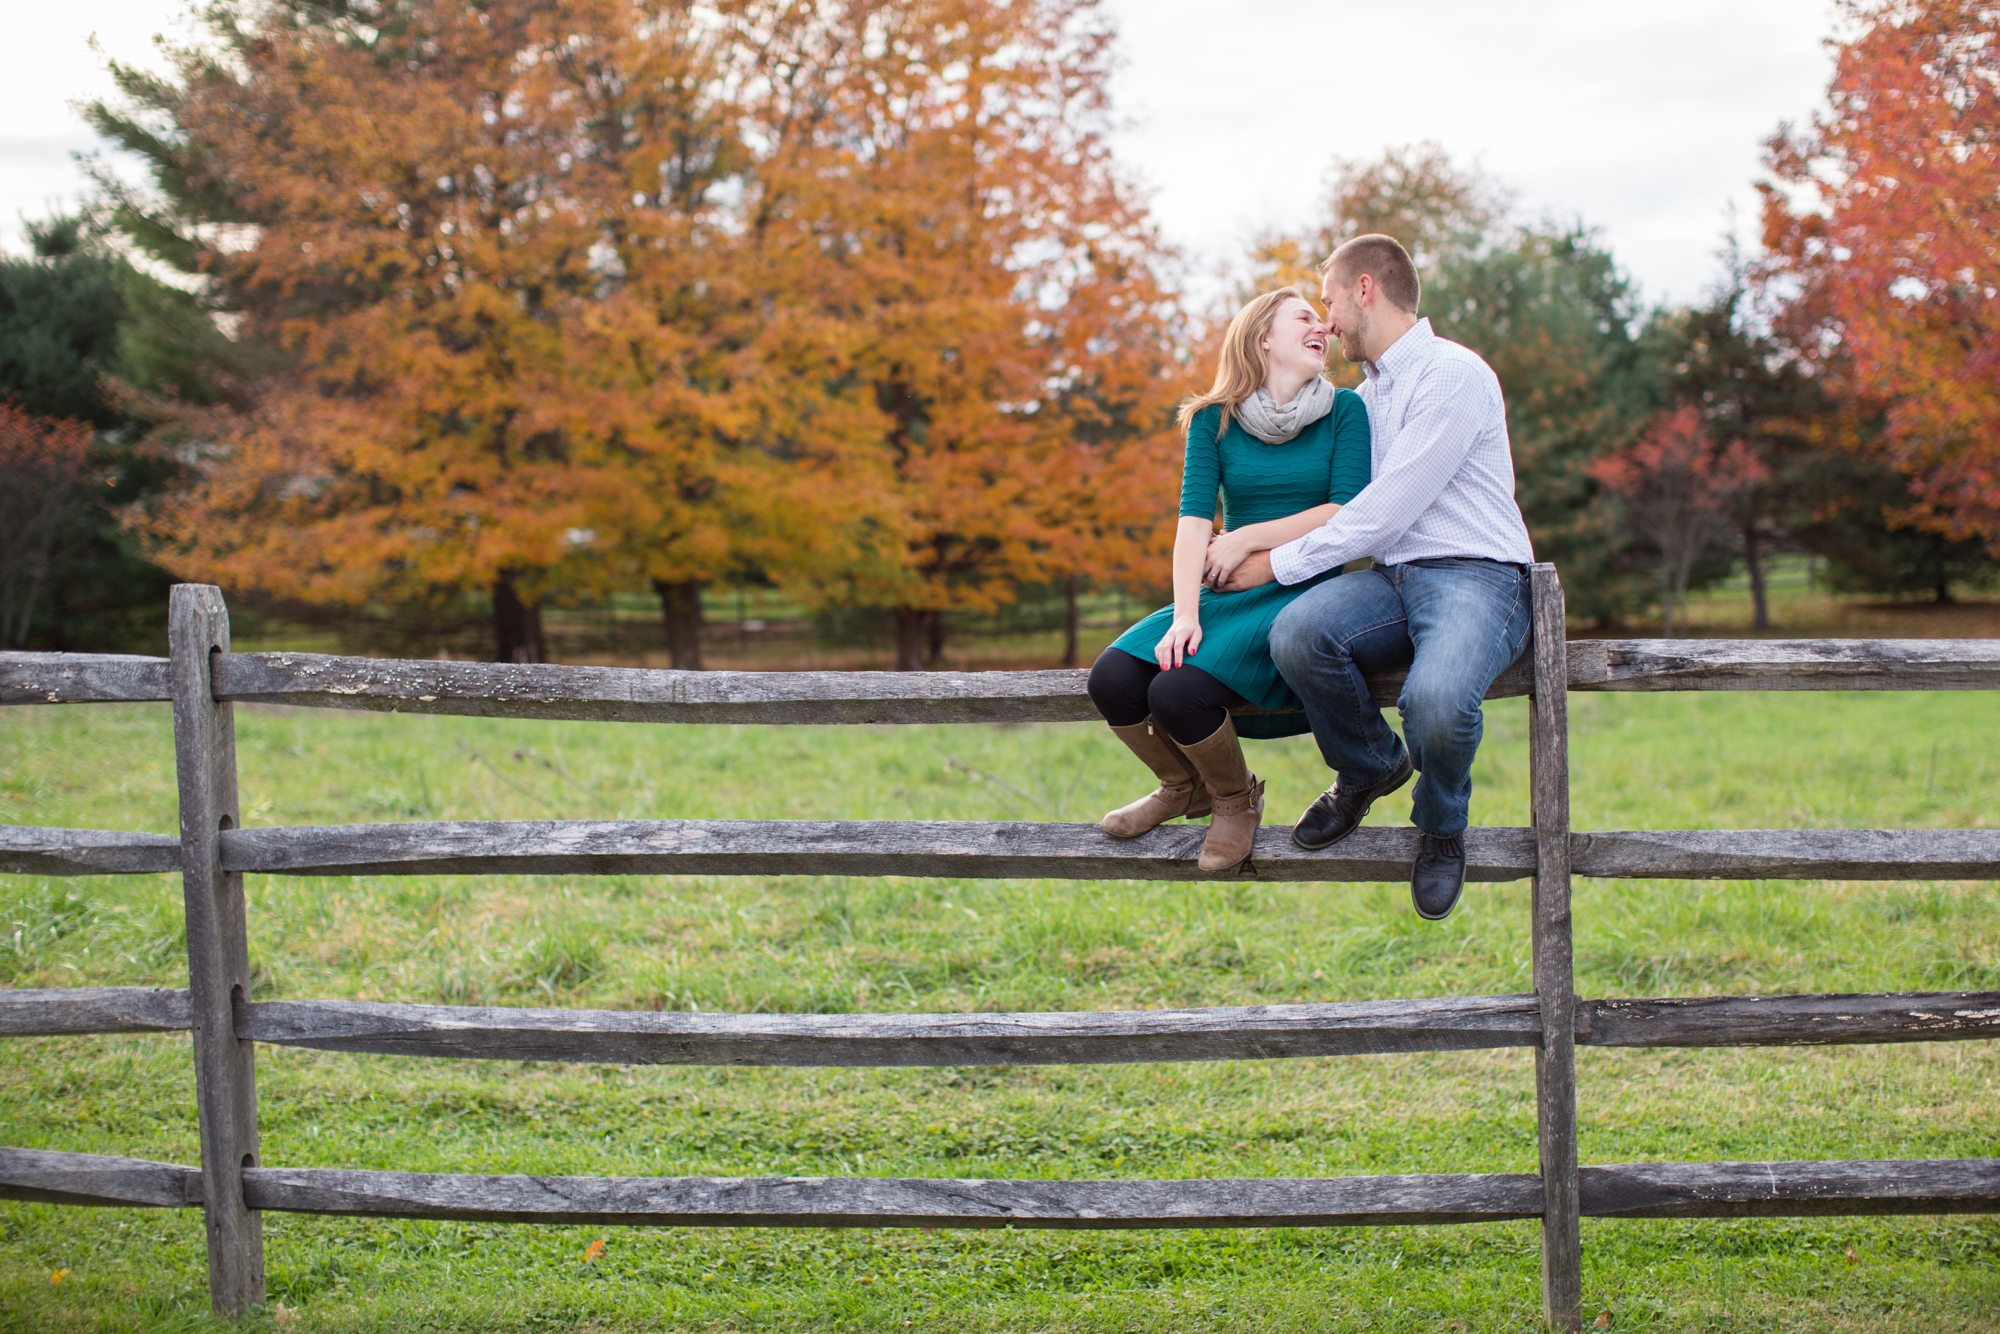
x=1438, y=714
x=1296, y=638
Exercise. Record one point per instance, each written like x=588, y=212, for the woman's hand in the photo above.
x=1179, y=643
x=1225, y=552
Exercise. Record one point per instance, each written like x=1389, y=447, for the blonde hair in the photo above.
x=1242, y=366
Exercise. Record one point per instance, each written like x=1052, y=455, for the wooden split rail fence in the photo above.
x=203, y=679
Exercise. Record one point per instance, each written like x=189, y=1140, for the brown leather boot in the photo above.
x=1238, y=797
x=1180, y=791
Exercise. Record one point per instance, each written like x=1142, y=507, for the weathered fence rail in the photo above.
x=624, y=694
x=213, y=852
x=967, y=849
x=1063, y=1037
x=1621, y=1190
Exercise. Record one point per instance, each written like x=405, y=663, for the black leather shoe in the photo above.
x=1438, y=878
x=1339, y=810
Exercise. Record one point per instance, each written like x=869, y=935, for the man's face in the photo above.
x=1345, y=317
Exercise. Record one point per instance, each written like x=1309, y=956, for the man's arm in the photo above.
x=1450, y=408
x=1252, y=570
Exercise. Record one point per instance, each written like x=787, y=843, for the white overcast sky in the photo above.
x=1642, y=119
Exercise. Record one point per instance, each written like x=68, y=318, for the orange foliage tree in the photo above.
x=576, y=295
x=954, y=264
x=1885, y=217
x=438, y=212
x=1111, y=472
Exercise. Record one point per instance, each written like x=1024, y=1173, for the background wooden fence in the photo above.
x=203, y=679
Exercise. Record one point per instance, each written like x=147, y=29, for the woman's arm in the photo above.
x=1227, y=551
x=1183, y=637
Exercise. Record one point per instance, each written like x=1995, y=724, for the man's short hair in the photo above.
x=1383, y=259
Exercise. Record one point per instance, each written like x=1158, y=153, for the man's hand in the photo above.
x=1255, y=570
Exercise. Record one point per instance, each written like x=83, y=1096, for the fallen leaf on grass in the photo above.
x=1852, y=1258
x=595, y=1249
x=1603, y=1320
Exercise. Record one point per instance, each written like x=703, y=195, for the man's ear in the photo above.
x=1364, y=289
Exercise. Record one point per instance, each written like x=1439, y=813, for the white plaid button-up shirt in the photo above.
x=1443, y=482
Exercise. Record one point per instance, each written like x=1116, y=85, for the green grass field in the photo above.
x=858, y=944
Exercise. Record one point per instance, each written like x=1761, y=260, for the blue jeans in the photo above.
x=1456, y=624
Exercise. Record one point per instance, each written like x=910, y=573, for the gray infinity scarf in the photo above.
x=1263, y=417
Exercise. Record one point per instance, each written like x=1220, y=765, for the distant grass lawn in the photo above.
x=858, y=944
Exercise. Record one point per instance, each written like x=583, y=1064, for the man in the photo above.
x=1448, y=596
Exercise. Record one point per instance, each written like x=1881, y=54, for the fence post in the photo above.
x=1555, y=982
x=218, y=948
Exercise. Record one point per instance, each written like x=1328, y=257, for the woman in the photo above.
x=1285, y=449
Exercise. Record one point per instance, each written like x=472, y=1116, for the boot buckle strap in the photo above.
x=1248, y=799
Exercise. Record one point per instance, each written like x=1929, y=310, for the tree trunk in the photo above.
x=934, y=639
x=517, y=625
x=1069, y=621
x=1753, y=561
x=909, y=640
x=1682, y=574
x=680, y=608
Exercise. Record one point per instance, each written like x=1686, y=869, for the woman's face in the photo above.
x=1296, y=345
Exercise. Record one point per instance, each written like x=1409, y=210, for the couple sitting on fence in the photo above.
x=1414, y=471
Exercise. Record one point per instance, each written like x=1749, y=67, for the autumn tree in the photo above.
x=466, y=228
x=1683, y=494
x=45, y=478
x=954, y=265
x=1827, y=490
x=1885, y=218
x=580, y=295
x=658, y=354
x=1112, y=471
x=1845, y=505
x=1721, y=357
x=1111, y=457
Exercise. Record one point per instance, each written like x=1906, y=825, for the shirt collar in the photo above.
x=1402, y=354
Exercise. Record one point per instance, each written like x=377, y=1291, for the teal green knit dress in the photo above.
x=1328, y=461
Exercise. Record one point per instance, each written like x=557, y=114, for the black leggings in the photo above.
x=1187, y=701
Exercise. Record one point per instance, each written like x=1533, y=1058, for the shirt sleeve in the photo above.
x=1348, y=471
x=1201, y=474
x=1430, y=446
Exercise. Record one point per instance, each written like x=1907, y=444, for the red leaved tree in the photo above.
x=1682, y=494
x=1886, y=218
x=44, y=475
